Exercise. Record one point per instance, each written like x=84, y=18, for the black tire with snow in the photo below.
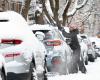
x=91, y=58
x=2, y=75
x=86, y=61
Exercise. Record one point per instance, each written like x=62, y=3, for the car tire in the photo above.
x=2, y=75
x=91, y=58
x=98, y=55
x=86, y=62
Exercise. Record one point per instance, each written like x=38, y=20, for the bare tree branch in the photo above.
x=52, y=5
x=76, y=7
x=46, y=13
x=65, y=11
x=56, y=10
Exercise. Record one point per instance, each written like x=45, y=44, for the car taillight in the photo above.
x=12, y=55
x=53, y=42
x=11, y=41
x=16, y=41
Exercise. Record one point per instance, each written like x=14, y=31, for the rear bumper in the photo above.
x=18, y=67
x=13, y=76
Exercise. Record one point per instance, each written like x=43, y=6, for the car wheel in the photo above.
x=2, y=76
x=86, y=62
x=98, y=55
x=91, y=58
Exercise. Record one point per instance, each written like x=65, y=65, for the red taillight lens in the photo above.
x=53, y=42
x=12, y=55
x=11, y=41
x=16, y=41
x=9, y=55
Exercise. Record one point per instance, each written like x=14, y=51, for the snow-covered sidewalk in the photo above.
x=93, y=71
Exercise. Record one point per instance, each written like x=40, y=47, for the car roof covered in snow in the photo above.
x=13, y=25
x=41, y=27
x=11, y=16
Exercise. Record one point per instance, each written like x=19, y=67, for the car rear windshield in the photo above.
x=49, y=35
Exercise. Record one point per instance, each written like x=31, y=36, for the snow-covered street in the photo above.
x=93, y=71
x=49, y=39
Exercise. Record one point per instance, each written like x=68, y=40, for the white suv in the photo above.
x=18, y=45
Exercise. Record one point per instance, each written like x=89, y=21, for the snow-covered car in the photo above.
x=58, y=52
x=96, y=42
x=91, y=52
x=19, y=46
x=84, y=49
x=3, y=70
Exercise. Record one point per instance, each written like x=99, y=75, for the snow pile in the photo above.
x=93, y=71
x=41, y=27
x=49, y=8
x=67, y=29
x=14, y=26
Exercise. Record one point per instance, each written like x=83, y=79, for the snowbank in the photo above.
x=93, y=71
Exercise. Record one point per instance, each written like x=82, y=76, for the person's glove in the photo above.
x=61, y=28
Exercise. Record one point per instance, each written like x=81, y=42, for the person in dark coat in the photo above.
x=77, y=60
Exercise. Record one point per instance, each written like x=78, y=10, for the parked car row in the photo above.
x=88, y=51
x=31, y=52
